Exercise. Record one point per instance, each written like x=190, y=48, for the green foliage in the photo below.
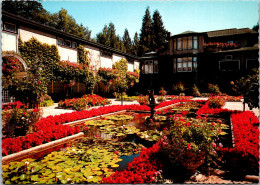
x=41, y=58
x=135, y=45
x=19, y=121
x=83, y=55
x=146, y=33
x=216, y=102
x=34, y=10
x=178, y=88
x=191, y=141
x=214, y=89
x=120, y=81
x=159, y=32
x=196, y=91
x=248, y=87
x=46, y=101
x=143, y=100
x=127, y=41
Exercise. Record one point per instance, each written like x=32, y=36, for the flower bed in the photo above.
x=143, y=169
x=245, y=155
x=83, y=102
x=51, y=128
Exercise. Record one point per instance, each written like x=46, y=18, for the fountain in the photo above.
x=152, y=105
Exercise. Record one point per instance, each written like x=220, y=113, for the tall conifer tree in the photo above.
x=159, y=32
x=127, y=41
x=135, y=44
x=146, y=33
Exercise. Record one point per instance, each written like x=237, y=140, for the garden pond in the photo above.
x=109, y=144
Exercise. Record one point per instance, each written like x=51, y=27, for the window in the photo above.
x=174, y=65
x=195, y=64
x=179, y=44
x=189, y=42
x=195, y=42
x=185, y=43
x=185, y=64
x=74, y=45
x=179, y=64
x=150, y=67
x=189, y=64
x=60, y=41
x=174, y=45
x=229, y=65
x=9, y=27
x=106, y=54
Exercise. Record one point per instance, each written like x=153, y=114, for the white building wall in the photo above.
x=68, y=54
x=116, y=58
x=27, y=33
x=94, y=57
x=105, y=62
x=131, y=67
x=9, y=42
x=136, y=64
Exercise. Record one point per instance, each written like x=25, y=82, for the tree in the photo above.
x=112, y=36
x=146, y=33
x=248, y=88
x=135, y=45
x=127, y=41
x=103, y=38
x=159, y=32
x=121, y=81
x=256, y=27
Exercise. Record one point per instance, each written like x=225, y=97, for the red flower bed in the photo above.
x=245, y=155
x=205, y=109
x=11, y=105
x=51, y=128
x=143, y=169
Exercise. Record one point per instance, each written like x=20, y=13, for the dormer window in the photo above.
x=9, y=27
x=185, y=43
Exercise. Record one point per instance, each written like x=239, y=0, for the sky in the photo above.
x=177, y=15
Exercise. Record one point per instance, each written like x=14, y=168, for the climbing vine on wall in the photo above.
x=40, y=58
x=83, y=55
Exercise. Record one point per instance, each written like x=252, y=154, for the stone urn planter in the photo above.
x=192, y=161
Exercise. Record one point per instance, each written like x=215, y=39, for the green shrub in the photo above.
x=196, y=91
x=19, y=121
x=143, y=100
x=214, y=89
x=46, y=101
x=178, y=88
x=216, y=102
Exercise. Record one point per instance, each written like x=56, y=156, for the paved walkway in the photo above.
x=51, y=110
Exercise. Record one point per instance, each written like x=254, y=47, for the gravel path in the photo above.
x=52, y=110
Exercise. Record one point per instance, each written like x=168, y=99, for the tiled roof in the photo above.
x=233, y=31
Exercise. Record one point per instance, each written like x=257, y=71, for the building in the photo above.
x=201, y=58
x=14, y=27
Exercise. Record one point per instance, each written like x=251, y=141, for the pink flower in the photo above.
x=189, y=146
x=214, y=144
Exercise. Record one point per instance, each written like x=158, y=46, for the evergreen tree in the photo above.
x=114, y=43
x=135, y=45
x=256, y=27
x=103, y=37
x=159, y=32
x=146, y=33
x=127, y=41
